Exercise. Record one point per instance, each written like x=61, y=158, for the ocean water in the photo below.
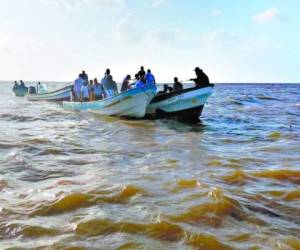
x=80, y=181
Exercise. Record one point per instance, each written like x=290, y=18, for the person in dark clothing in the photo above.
x=142, y=72
x=202, y=79
x=125, y=83
x=177, y=85
x=165, y=90
x=84, y=76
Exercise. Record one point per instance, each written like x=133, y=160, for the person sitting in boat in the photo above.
x=16, y=85
x=85, y=92
x=109, y=84
x=125, y=83
x=22, y=84
x=166, y=89
x=177, y=86
x=97, y=90
x=150, y=79
x=77, y=88
x=202, y=79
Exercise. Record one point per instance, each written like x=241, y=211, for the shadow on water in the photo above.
x=183, y=126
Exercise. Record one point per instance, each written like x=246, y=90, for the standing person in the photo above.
x=84, y=76
x=150, y=79
x=142, y=72
x=77, y=88
x=92, y=96
x=38, y=87
x=97, y=89
x=177, y=86
x=85, y=92
x=202, y=79
x=125, y=83
x=109, y=85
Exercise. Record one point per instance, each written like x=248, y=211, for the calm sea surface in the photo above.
x=81, y=181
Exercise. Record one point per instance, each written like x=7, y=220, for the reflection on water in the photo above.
x=93, y=182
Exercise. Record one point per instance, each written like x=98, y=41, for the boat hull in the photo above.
x=132, y=103
x=187, y=105
x=20, y=91
x=63, y=94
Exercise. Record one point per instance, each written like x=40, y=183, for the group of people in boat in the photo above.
x=90, y=90
x=40, y=88
x=21, y=85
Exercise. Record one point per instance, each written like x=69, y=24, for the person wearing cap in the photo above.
x=202, y=79
x=177, y=86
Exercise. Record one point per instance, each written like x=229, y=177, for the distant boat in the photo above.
x=63, y=94
x=186, y=104
x=132, y=103
x=20, y=90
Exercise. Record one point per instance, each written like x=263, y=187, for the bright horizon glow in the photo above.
x=54, y=40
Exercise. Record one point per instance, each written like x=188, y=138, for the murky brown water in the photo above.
x=80, y=181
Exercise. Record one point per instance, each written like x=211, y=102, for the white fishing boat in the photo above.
x=63, y=94
x=132, y=103
x=186, y=104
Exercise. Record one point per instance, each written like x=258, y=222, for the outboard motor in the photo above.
x=32, y=90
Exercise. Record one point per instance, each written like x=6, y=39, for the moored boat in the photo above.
x=187, y=104
x=132, y=103
x=63, y=94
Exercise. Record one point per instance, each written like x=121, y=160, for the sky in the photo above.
x=231, y=40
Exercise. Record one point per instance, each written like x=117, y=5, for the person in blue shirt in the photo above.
x=150, y=79
x=140, y=81
x=98, y=90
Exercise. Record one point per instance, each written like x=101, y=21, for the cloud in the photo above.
x=74, y=4
x=157, y=3
x=216, y=12
x=268, y=16
x=128, y=30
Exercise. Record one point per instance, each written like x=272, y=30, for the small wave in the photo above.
x=237, y=177
x=75, y=201
x=18, y=118
x=212, y=213
x=264, y=97
x=280, y=174
x=52, y=151
x=28, y=231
